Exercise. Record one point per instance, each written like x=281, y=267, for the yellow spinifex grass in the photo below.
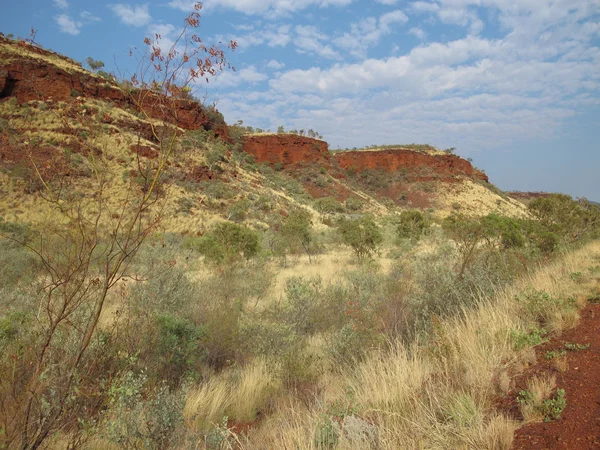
x=237, y=394
x=438, y=395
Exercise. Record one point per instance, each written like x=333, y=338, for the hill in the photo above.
x=54, y=113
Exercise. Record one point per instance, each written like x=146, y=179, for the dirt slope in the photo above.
x=579, y=425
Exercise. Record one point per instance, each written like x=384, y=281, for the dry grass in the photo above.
x=540, y=388
x=476, y=200
x=10, y=50
x=237, y=394
x=439, y=395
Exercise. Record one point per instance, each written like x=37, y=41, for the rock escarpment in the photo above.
x=287, y=149
x=418, y=166
x=291, y=150
x=30, y=73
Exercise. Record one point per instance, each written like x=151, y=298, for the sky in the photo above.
x=512, y=84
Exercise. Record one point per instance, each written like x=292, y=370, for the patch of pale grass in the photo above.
x=499, y=433
x=476, y=200
x=435, y=395
x=540, y=388
x=253, y=389
x=238, y=395
x=561, y=363
x=390, y=381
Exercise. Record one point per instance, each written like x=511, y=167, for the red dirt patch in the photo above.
x=145, y=151
x=579, y=424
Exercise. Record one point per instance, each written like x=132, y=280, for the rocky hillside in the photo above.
x=55, y=117
x=406, y=177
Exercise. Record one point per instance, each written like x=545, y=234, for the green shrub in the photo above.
x=328, y=205
x=238, y=211
x=531, y=338
x=354, y=204
x=228, y=241
x=296, y=232
x=362, y=235
x=412, y=225
x=505, y=230
x=138, y=417
x=217, y=190
x=185, y=205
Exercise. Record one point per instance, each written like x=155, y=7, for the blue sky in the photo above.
x=513, y=84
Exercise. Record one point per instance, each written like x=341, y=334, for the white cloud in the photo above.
x=134, y=15
x=424, y=7
x=475, y=93
x=387, y=2
x=419, y=33
x=309, y=40
x=68, y=25
x=61, y=4
x=87, y=17
x=369, y=32
x=271, y=35
x=391, y=18
x=248, y=75
x=275, y=65
x=268, y=8
x=72, y=26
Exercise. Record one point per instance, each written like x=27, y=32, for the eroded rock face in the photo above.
x=287, y=149
x=28, y=79
x=419, y=166
x=291, y=150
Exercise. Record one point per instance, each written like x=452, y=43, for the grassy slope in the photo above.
x=419, y=397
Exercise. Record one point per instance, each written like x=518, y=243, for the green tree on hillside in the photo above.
x=412, y=225
x=362, y=235
x=297, y=230
x=467, y=233
x=94, y=64
x=227, y=242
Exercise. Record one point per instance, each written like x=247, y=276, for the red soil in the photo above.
x=579, y=424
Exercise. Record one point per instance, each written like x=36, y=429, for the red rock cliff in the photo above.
x=444, y=166
x=287, y=149
x=28, y=78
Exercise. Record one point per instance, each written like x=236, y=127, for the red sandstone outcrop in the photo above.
x=422, y=166
x=26, y=78
x=293, y=150
x=287, y=149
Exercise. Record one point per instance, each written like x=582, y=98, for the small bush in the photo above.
x=354, y=204
x=228, y=241
x=328, y=205
x=412, y=225
x=362, y=235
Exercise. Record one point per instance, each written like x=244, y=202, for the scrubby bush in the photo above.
x=354, y=204
x=563, y=216
x=362, y=235
x=328, y=205
x=227, y=241
x=412, y=225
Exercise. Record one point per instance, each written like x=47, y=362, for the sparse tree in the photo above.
x=467, y=233
x=94, y=64
x=87, y=249
x=362, y=235
x=297, y=230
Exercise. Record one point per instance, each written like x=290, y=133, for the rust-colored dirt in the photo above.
x=579, y=425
